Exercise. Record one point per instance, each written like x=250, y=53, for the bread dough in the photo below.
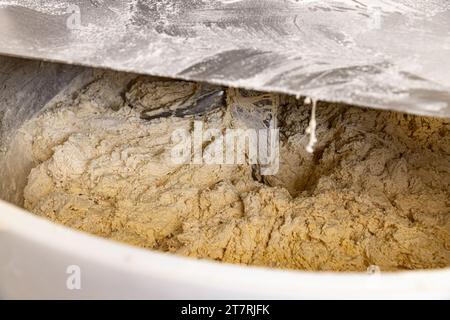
x=374, y=192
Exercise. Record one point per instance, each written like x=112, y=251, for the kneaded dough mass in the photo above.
x=376, y=190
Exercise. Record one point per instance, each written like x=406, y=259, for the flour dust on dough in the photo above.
x=376, y=190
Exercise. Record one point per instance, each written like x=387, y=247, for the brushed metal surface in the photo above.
x=379, y=53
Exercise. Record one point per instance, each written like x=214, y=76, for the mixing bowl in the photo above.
x=39, y=259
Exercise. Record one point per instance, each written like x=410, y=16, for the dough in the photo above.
x=374, y=192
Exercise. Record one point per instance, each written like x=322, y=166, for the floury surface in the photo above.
x=386, y=54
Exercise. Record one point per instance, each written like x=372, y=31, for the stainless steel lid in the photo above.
x=387, y=54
